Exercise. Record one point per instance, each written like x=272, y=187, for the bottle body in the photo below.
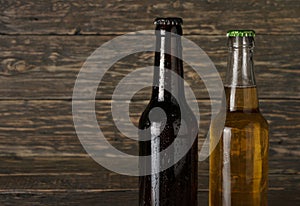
x=239, y=161
x=176, y=185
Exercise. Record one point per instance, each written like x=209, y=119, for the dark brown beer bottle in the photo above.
x=239, y=162
x=173, y=120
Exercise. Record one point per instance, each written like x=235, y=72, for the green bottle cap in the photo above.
x=241, y=33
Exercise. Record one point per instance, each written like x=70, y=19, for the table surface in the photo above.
x=43, y=46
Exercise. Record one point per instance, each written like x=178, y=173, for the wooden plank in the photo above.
x=67, y=173
x=64, y=197
x=40, y=151
x=115, y=198
x=38, y=128
x=60, y=173
x=118, y=17
x=46, y=67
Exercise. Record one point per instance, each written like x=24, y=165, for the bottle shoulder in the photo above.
x=169, y=107
x=173, y=112
x=241, y=119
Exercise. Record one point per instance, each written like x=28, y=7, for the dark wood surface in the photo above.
x=51, y=64
x=44, y=44
x=111, y=18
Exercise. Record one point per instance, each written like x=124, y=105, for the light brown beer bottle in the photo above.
x=239, y=162
x=176, y=185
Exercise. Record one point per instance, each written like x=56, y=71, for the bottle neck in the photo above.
x=240, y=85
x=168, y=73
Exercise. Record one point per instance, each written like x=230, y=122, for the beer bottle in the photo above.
x=239, y=162
x=176, y=185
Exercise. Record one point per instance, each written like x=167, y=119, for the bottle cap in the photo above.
x=241, y=33
x=168, y=21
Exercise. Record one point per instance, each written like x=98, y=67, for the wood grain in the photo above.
x=75, y=172
x=115, y=198
x=40, y=150
x=38, y=128
x=44, y=44
x=46, y=67
x=117, y=17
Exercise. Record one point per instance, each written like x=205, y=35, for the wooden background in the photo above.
x=43, y=45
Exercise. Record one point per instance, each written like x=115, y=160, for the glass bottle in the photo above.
x=177, y=185
x=239, y=162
